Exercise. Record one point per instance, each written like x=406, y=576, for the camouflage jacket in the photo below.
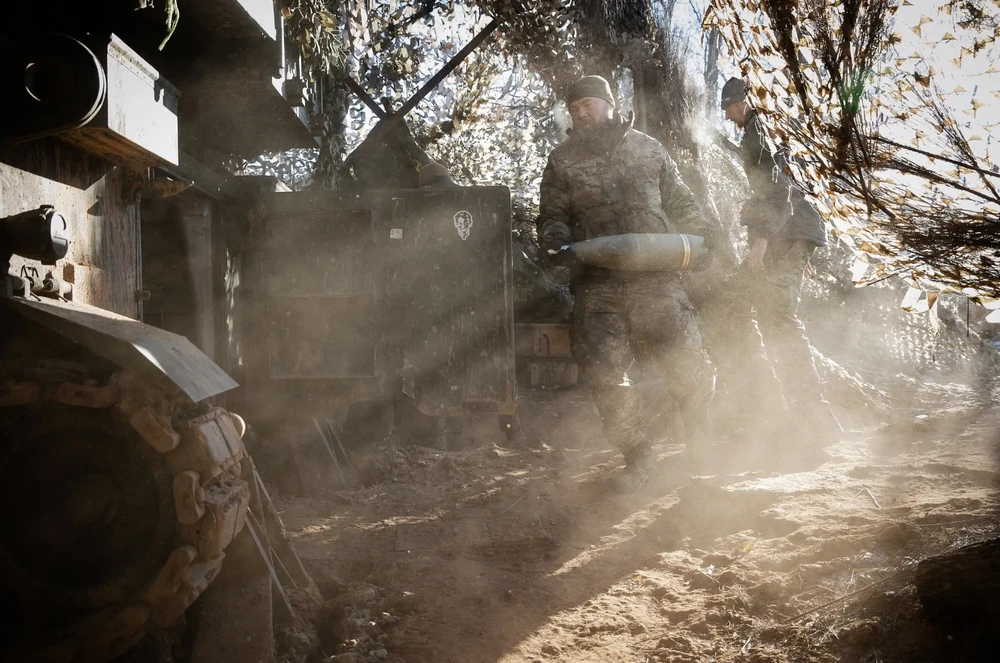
x=614, y=181
x=777, y=208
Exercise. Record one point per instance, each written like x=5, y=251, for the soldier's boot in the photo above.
x=698, y=436
x=822, y=423
x=637, y=464
x=751, y=417
x=809, y=426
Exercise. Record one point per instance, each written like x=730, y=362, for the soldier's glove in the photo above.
x=552, y=242
x=705, y=262
x=563, y=256
x=555, y=236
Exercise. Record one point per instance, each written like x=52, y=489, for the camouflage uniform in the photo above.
x=613, y=181
x=778, y=212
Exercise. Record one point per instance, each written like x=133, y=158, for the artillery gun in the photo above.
x=148, y=293
x=127, y=495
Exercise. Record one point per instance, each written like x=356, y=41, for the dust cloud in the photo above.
x=783, y=542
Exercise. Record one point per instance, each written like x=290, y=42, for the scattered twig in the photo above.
x=802, y=596
x=347, y=456
x=173, y=18
x=329, y=449
x=653, y=637
x=877, y=505
x=846, y=596
x=392, y=465
x=664, y=650
x=645, y=642
x=512, y=505
x=944, y=523
x=864, y=284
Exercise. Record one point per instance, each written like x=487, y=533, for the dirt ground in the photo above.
x=509, y=555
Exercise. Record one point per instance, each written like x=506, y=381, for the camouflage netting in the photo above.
x=873, y=354
x=868, y=344
x=172, y=15
x=877, y=354
x=870, y=96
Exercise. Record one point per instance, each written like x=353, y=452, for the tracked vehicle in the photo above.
x=126, y=492
x=148, y=294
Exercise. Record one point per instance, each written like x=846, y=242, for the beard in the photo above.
x=589, y=126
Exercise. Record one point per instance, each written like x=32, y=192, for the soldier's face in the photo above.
x=589, y=113
x=737, y=112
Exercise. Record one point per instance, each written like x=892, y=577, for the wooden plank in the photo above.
x=265, y=123
x=178, y=268
x=366, y=98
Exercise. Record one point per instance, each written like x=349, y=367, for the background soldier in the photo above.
x=609, y=179
x=783, y=230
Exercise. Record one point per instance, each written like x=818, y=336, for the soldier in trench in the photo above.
x=609, y=179
x=784, y=230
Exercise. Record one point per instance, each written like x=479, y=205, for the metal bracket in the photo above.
x=388, y=122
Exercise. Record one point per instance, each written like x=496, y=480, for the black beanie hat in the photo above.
x=734, y=90
x=590, y=86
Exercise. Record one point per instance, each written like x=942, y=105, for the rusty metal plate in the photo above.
x=160, y=356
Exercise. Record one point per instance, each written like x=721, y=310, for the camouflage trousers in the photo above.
x=613, y=322
x=768, y=364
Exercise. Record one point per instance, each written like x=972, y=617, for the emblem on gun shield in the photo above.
x=463, y=223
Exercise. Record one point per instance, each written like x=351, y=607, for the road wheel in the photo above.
x=117, y=501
